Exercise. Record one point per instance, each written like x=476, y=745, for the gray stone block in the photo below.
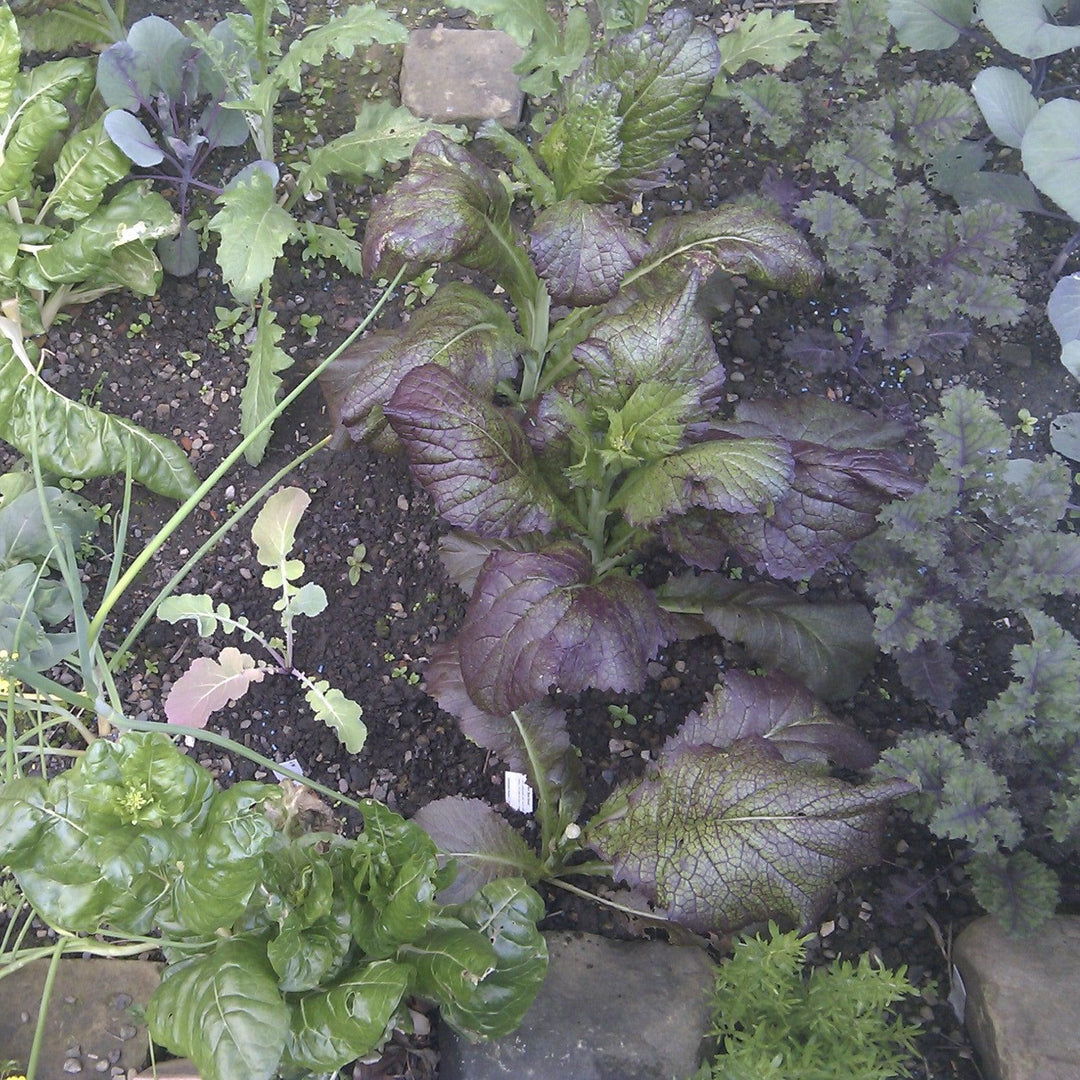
x=608, y=1010
x=455, y=76
x=1023, y=998
x=93, y=1025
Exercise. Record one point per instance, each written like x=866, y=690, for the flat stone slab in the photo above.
x=608, y=1010
x=92, y=1028
x=1023, y=998
x=454, y=76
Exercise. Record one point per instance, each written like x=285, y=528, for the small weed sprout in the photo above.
x=358, y=564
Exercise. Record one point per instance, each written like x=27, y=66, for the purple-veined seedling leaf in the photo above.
x=472, y=460
x=339, y=713
x=461, y=329
x=829, y=646
x=737, y=476
x=777, y=708
x=538, y=619
x=722, y=838
x=967, y=432
x=736, y=240
x=209, y=685
x=483, y=845
x=583, y=252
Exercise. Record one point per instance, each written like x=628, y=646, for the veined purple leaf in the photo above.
x=209, y=685
x=776, y=708
x=461, y=329
x=468, y=457
x=722, y=838
x=827, y=646
x=819, y=350
x=448, y=208
x=482, y=844
x=463, y=554
x=582, y=251
x=737, y=476
x=538, y=619
x=818, y=420
x=661, y=339
x=929, y=672
x=737, y=240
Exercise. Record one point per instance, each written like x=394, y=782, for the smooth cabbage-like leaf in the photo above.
x=721, y=838
x=1063, y=310
x=461, y=329
x=1005, y=99
x=582, y=252
x=482, y=844
x=1049, y=149
x=474, y=462
x=776, y=708
x=538, y=619
x=930, y=24
x=1024, y=27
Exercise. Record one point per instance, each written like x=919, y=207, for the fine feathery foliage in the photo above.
x=772, y=1023
x=982, y=542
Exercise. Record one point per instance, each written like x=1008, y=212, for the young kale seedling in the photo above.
x=211, y=684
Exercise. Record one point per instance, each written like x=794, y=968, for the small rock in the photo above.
x=72, y=1065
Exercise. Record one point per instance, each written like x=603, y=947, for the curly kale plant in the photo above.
x=916, y=275
x=563, y=447
x=981, y=543
x=290, y=951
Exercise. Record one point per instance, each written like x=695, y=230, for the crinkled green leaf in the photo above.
x=482, y=844
x=78, y=440
x=505, y=913
x=338, y=712
x=87, y=164
x=538, y=618
x=776, y=708
x=1024, y=27
x=967, y=434
x=1050, y=149
x=737, y=476
x=582, y=147
x=209, y=685
x=930, y=24
x=722, y=838
x=224, y=1011
x=254, y=230
x=771, y=103
x=932, y=115
x=330, y=1028
x=583, y=252
x=1018, y=889
x=10, y=54
x=829, y=646
x=468, y=457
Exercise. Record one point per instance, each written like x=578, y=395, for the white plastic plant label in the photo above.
x=519, y=796
x=293, y=764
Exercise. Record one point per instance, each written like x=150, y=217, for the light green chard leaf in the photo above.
x=224, y=1011
x=88, y=163
x=505, y=913
x=254, y=230
x=259, y=396
x=10, y=53
x=930, y=24
x=38, y=123
x=1004, y=96
x=1050, y=149
x=331, y=1028
x=338, y=712
x=383, y=134
x=80, y=441
x=1023, y=27
x=449, y=960
x=721, y=838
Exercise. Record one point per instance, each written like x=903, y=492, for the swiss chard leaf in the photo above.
x=721, y=838
x=472, y=461
x=538, y=619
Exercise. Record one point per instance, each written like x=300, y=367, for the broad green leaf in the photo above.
x=10, y=54
x=224, y=1011
x=722, y=838
x=930, y=24
x=254, y=230
x=1063, y=311
x=330, y=1028
x=770, y=38
x=827, y=645
x=383, y=134
x=449, y=961
x=1007, y=103
x=259, y=396
x=737, y=476
x=38, y=123
x=77, y=440
x=1023, y=27
x=505, y=912
x=1050, y=150
x=86, y=166
x=209, y=685
x=482, y=845
x=582, y=147
x=338, y=712
x=473, y=461
x=24, y=534
x=274, y=530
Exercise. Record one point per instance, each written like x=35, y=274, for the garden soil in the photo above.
x=162, y=363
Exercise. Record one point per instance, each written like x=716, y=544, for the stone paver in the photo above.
x=608, y=1010
x=1023, y=998
x=455, y=76
x=92, y=1029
